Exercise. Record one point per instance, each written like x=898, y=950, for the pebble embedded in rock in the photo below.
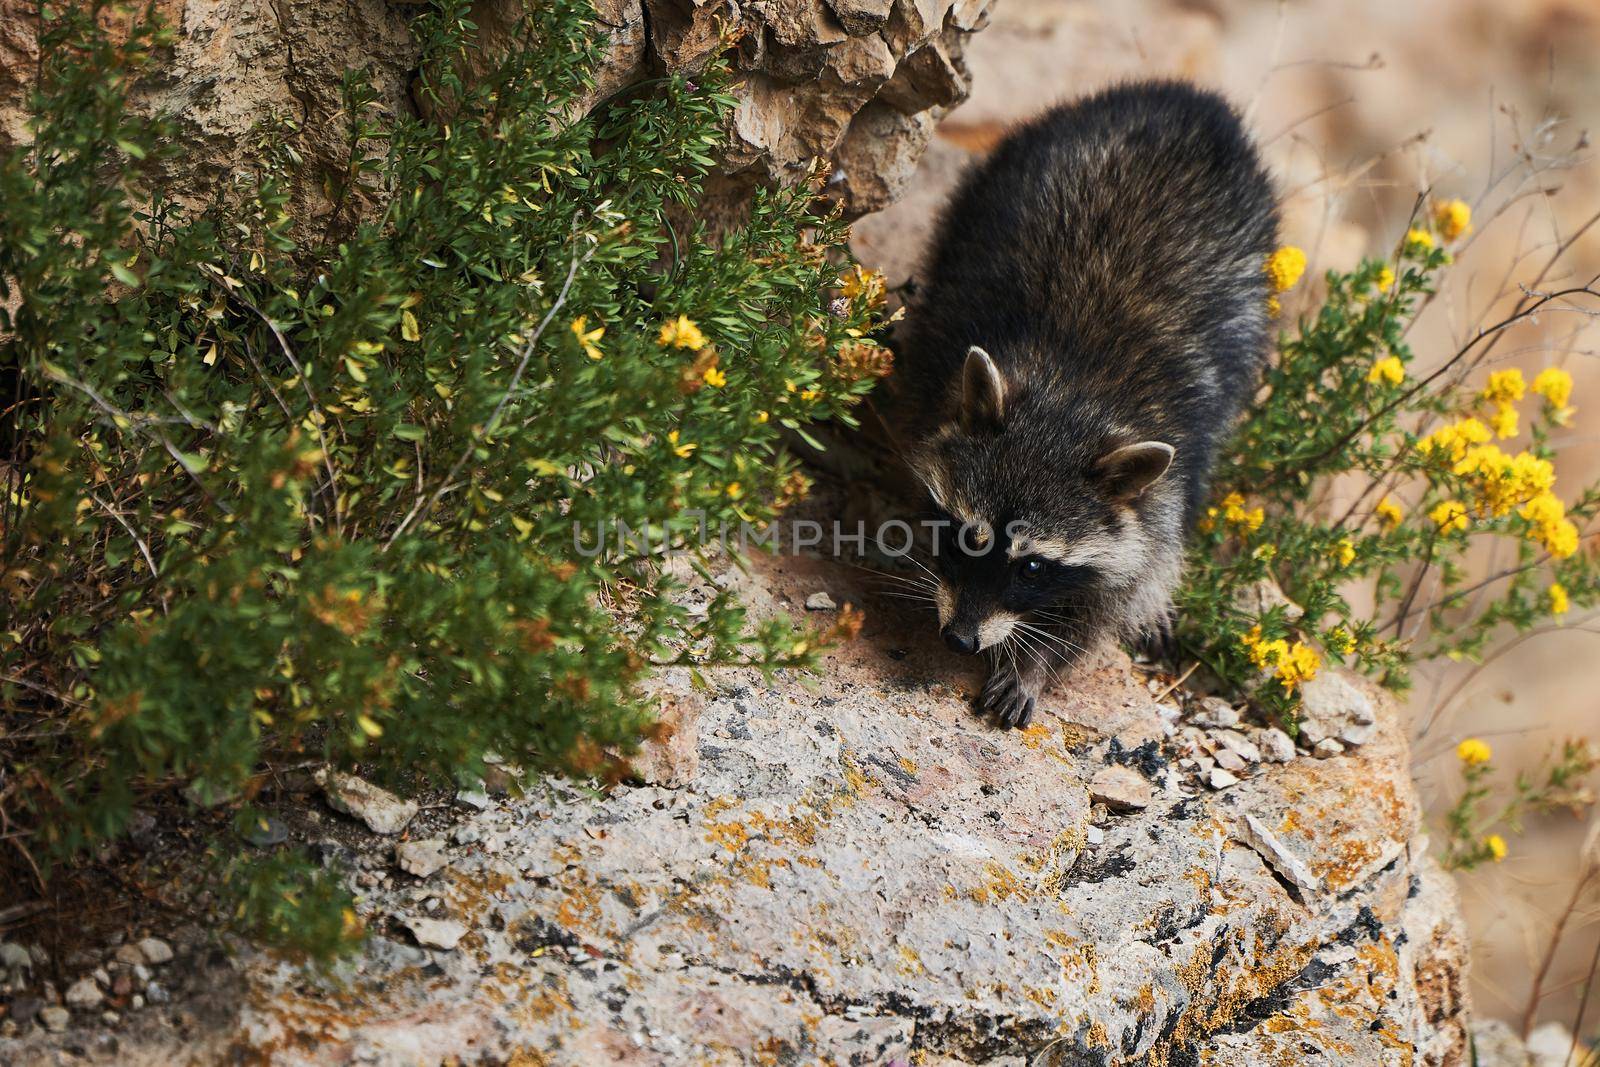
x=1229, y=760
x=55, y=1018
x=381, y=810
x=1275, y=745
x=820, y=602
x=155, y=951
x=473, y=799
x=420, y=858
x=1221, y=778
x=1216, y=712
x=1327, y=748
x=1120, y=789
x=84, y=995
x=436, y=933
x=1239, y=745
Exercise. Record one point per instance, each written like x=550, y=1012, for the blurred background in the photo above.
x=1361, y=105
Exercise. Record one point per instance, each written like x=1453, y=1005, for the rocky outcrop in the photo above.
x=859, y=870
x=857, y=82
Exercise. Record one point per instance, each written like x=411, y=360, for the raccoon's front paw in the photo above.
x=1159, y=644
x=1008, y=697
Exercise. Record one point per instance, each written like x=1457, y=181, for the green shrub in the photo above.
x=273, y=494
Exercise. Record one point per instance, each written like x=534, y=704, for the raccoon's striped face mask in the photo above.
x=986, y=587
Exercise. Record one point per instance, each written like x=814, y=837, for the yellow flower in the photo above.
x=1453, y=218
x=1284, y=268
x=683, y=450
x=735, y=490
x=1455, y=439
x=1419, y=238
x=587, y=337
x=1450, y=515
x=1389, y=370
x=1473, y=751
x=1505, y=386
x=1558, y=598
x=1385, y=279
x=714, y=378
x=1292, y=664
x=1234, y=511
x=1342, y=641
x=1497, y=846
x=1346, y=552
x=1555, y=385
x=810, y=394
x=1504, y=421
x=680, y=333
x=1543, y=509
x=762, y=416
x=867, y=287
x=1274, y=305
x=1389, y=512
x=1560, y=538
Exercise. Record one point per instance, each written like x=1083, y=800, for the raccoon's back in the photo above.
x=1117, y=242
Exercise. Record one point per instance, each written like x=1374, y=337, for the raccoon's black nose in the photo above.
x=966, y=644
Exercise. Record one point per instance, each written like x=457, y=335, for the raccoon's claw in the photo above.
x=1159, y=644
x=1008, y=699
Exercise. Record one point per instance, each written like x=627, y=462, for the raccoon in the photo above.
x=1090, y=324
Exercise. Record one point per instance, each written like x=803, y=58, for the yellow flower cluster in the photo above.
x=1548, y=523
x=1388, y=370
x=1234, y=513
x=1496, y=846
x=1455, y=439
x=1385, y=279
x=1285, y=267
x=1389, y=512
x=1450, y=515
x=1502, y=482
x=1559, y=603
x=1473, y=751
x=1555, y=385
x=680, y=333
x=1346, y=552
x=866, y=287
x=1505, y=388
x=1292, y=663
x=1453, y=219
x=1342, y=641
x=1419, y=238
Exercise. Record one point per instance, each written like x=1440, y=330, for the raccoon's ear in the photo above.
x=983, y=392
x=1128, y=471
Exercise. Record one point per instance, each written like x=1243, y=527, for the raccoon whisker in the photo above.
x=919, y=598
x=1055, y=639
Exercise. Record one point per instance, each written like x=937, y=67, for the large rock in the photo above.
x=858, y=869
x=809, y=69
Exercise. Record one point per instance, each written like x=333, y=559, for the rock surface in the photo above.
x=856, y=82
x=860, y=870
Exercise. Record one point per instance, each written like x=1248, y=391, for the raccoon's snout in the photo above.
x=962, y=641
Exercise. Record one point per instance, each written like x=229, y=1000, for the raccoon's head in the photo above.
x=1039, y=510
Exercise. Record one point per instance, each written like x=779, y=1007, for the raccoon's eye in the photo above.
x=1031, y=569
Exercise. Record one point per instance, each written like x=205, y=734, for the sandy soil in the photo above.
x=1361, y=104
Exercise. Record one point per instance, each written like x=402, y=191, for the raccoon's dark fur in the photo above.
x=1089, y=326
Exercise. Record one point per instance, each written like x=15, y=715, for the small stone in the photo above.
x=1327, y=748
x=472, y=800
x=1231, y=761
x=155, y=951
x=1120, y=789
x=122, y=984
x=267, y=831
x=420, y=858
x=155, y=993
x=1215, y=712
x=84, y=995
x=101, y=976
x=1221, y=778
x=55, y=1018
x=1275, y=745
x=141, y=973
x=467, y=834
x=13, y=957
x=436, y=933
x=1094, y=835
x=129, y=955
x=381, y=810
x=110, y=1018
x=25, y=1009
x=1315, y=730
x=136, y=1001
x=1239, y=745
x=1357, y=734
x=820, y=602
